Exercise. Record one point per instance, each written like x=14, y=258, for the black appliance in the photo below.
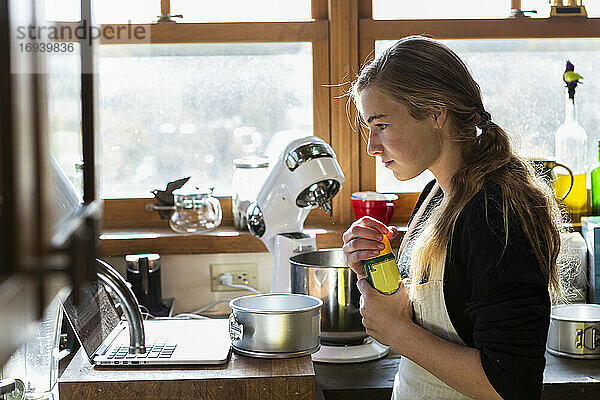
x=143, y=272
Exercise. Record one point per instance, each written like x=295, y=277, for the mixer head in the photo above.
x=319, y=194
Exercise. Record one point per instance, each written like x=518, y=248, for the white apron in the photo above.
x=429, y=305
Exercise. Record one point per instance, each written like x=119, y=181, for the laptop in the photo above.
x=105, y=337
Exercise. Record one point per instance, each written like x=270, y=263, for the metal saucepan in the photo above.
x=275, y=325
x=325, y=274
x=575, y=331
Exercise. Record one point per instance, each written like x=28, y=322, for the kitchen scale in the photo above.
x=370, y=349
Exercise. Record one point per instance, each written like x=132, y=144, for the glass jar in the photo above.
x=249, y=174
x=195, y=211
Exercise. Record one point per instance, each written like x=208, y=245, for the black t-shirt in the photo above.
x=496, y=295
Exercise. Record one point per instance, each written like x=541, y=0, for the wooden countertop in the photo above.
x=240, y=378
x=564, y=378
x=296, y=378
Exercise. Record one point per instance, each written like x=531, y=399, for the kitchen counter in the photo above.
x=240, y=378
x=563, y=379
x=296, y=378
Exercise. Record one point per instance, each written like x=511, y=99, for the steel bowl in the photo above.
x=276, y=325
x=325, y=274
x=575, y=331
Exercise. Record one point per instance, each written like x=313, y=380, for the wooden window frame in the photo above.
x=343, y=35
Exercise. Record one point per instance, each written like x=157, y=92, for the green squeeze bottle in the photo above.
x=595, y=178
x=381, y=271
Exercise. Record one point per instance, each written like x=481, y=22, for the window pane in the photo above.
x=105, y=11
x=64, y=112
x=425, y=9
x=170, y=111
x=119, y=11
x=592, y=7
x=242, y=10
x=522, y=87
x=63, y=10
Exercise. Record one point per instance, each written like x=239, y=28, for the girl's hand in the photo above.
x=363, y=240
x=385, y=317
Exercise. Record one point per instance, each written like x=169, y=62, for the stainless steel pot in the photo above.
x=325, y=274
x=275, y=325
x=575, y=331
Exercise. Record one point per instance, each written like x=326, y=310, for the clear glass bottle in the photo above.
x=595, y=183
x=571, y=150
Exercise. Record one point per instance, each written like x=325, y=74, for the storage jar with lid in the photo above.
x=249, y=175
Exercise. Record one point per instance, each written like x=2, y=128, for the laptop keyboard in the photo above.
x=160, y=350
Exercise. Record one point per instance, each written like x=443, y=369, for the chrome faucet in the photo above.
x=130, y=305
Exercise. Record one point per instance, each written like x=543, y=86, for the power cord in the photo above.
x=227, y=280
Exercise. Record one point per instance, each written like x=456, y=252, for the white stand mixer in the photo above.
x=306, y=175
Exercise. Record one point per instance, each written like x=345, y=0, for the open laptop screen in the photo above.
x=94, y=318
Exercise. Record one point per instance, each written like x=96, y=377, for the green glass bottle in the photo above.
x=595, y=178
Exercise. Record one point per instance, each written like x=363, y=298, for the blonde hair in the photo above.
x=424, y=74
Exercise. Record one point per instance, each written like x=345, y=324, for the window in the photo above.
x=105, y=11
x=242, y=10
x=170, y=111
x=522, y=87
x=428, y=9
x=64, y=112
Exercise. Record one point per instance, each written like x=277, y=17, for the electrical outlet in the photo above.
x=242, y=274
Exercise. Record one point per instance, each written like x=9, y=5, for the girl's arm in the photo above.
x=388, y=318
x=458, y=366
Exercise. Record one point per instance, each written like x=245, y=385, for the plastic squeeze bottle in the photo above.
x=381, y=271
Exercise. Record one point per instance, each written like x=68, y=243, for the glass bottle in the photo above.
x=595, y=180
x=571, y=149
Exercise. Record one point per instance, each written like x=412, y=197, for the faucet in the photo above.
x=130, y=305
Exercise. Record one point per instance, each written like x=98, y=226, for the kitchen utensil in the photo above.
x=143, y=272
x=325, y=274
x=196, y=210
x=306, y=175
x=249, y=174
x=575, y=331
x=377, y=205
x=275, y=325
